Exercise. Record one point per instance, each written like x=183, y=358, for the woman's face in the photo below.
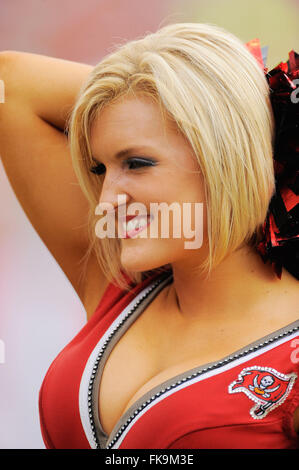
x=158, y=167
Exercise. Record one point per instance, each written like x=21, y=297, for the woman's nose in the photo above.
x=113, y=193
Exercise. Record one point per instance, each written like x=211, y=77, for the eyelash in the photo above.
x=100, y=169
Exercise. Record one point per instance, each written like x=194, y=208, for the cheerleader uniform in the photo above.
x=246, y=400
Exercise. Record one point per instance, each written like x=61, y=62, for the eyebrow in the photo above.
x=126, y=152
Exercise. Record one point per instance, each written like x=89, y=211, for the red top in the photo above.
x=246, y=400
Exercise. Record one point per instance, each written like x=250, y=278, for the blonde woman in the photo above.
x=183, y=347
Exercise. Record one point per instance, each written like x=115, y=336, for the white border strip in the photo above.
x=204, y=376
x=83, y=390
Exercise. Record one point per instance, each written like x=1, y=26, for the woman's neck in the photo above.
x=241, y=283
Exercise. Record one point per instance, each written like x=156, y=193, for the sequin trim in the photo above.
x=148, y=290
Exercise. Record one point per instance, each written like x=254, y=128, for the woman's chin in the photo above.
x=140, y=258
x=136, y=265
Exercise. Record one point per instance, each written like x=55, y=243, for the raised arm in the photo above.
x=40, y=92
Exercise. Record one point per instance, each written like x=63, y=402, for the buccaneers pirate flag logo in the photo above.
x=267, y=387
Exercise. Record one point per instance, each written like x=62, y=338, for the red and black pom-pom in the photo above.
x=280, y=242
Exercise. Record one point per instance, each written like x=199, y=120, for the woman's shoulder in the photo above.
x=282, y=302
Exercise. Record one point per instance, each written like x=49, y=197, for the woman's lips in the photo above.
x=132, y=225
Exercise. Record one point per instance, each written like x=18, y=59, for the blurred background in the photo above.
x=39, y=311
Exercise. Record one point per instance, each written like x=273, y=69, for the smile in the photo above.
x=136, y=225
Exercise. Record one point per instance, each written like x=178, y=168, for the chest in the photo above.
x=147, y=354
x=145, y=357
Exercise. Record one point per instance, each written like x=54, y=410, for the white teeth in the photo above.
x=141, y=223
x=134, y=224
x=131, y=225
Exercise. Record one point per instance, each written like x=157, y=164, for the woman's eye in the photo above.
x=98, y=169
x=135, y=163
x=131, y=163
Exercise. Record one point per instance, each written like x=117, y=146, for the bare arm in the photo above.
x=49, y=86
x=40, y=92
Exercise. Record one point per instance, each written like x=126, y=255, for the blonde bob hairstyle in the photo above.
x=208, y=82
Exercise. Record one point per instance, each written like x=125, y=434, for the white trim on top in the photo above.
x=85, y=379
